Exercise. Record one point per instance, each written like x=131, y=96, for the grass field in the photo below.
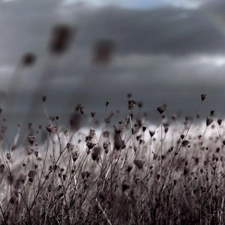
x=124, y=173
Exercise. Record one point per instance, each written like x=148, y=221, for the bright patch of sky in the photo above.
x=139, y=4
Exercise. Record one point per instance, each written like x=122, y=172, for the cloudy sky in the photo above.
x=166, y=51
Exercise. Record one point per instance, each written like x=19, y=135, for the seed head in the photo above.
x=51, y=128
x=203, y=96
x=185, y=143
x=31, y=139
x=219, y=121
x=95, y=153
x=139, y=163
x=28, y=59
x=30, y=151
x=61, y=39
x=8, y=156
x=208, y=121
x=131, y=104
x=82, y=110
x=92, y=114
x=161, y=109
x=152, y=133
x=125, y=185
x=44, y=98
x=103, y=51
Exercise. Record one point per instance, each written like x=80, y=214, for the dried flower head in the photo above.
x=152, y=133
x=203, y=96
x=28, y=59
x=131, y=104
x=209, y=120
x=2, y=168
x=161, y=109
x=31, y=139
x=75, y=155
x=103, y=51
x=185, y=143
x=61, y=38
x=30, y=151
x=82, y=110
x=44, y=98
x=125, y=185
x=96, y=153
x=219, y=121
x=51, y=128
x=139, y=163
x=8, y=155
x=92, y=114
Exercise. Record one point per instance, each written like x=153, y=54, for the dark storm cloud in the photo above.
x=168, y=30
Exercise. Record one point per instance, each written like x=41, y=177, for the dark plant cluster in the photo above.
x=123, y=174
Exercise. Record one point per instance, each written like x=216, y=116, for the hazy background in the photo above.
x=166, y=51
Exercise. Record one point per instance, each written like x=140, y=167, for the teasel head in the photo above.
x=103, y=51
x=61, y=39
x=203, y=96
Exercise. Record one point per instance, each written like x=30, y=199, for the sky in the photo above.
x=166, y=52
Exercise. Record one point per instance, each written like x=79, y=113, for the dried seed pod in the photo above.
x=185, y=143
x=131, y=104
x=30, y=151
x=51, y=128
x=61, y=39
x=31, y=139
x=208, y=121
x=92, y=114
x=203, y=96
x=139, y=163
x=161, y=109
x=219, y=121
x=2, y=168
x=75, y=156
x=125, y=185
x=96, y=153
x=90, y=144
x=103, y=51
x=8, y=156
x=152, y=133
x=82, y=110
x=28, y=59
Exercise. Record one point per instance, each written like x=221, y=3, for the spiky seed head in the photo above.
x=61, y=39
x=131, y=104
x=31, y=139
x=152, y=133
x=219, y=121
x=203, y=96
x=209, y=120
x=51, y=128
x=161, y=109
